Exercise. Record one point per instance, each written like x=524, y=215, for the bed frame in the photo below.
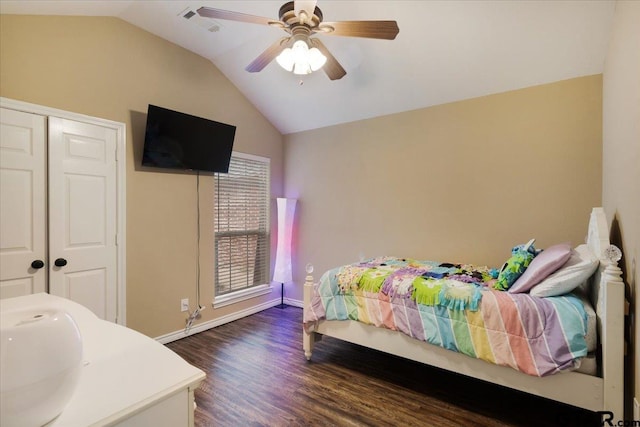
x=604, y=392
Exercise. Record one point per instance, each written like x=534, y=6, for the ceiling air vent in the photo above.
x=207, y=23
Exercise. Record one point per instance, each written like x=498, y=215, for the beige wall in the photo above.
x=464, y=181
x=107, y=68
x=621, y=160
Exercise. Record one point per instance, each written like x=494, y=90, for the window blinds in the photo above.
x=242, y=224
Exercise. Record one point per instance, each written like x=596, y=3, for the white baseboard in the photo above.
x=293, y=302
x=201, y=327
x=636, y=409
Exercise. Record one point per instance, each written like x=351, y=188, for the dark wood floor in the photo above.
x=257, y=375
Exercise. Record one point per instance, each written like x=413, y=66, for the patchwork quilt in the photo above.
x=455, y=307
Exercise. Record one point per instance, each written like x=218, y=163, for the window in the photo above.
x=242, y=227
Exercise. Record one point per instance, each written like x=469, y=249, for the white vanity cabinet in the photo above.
x=127, y=379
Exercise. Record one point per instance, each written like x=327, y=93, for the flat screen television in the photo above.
x=177, y=140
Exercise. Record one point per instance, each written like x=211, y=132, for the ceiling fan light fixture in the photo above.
x=301, y=68
x=299, y=53
x=300, y=59
x=285, y=59
x=316, y=59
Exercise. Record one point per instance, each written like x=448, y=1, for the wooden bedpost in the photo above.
x=307, y=337
x=613, y=347
x=609, y=302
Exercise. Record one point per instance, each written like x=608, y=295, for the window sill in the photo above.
x=245, y=294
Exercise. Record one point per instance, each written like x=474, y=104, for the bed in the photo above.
x=592, y=378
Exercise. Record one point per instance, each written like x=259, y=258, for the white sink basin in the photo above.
x=41, y=362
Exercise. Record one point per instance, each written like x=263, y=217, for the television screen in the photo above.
x=177, y=140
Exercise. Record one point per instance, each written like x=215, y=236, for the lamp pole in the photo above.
x=282, y=305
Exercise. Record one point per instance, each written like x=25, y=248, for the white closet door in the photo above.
x=82, y=215
x=22, y=203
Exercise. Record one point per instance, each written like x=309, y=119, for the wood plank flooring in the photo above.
x=257, y=375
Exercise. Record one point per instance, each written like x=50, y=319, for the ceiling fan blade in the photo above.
x=387, y=30
x=209, y=12
x=332, y=67
x=309, y=6
x=267, y=56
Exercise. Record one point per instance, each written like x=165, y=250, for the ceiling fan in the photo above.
x=301, y=19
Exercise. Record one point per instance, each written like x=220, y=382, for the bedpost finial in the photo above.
x=612, y=254
x=309, y=269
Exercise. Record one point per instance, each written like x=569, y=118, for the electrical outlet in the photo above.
x=184, y=304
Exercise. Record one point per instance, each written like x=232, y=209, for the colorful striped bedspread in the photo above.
x=451, y=306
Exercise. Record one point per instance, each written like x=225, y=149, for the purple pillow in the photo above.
x=545, y=263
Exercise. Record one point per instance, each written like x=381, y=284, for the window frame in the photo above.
x=254, y=290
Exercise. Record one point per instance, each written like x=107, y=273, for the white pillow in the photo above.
x=580, y=266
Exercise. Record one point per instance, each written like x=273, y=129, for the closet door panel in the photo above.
x=22, y=203
x=84, y=285
x=82, y=214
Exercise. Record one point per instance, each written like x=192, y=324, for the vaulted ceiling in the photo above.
x=445, y=50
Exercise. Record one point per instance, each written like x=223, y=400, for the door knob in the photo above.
x=60, y=262
x=37, y=264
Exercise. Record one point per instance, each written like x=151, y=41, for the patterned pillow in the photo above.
x=521, y=257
